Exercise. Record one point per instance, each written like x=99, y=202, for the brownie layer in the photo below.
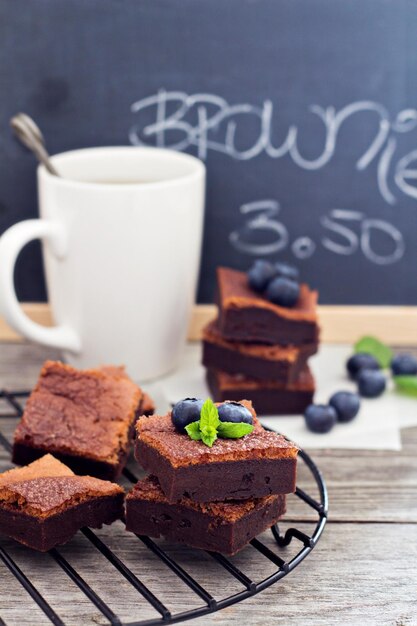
x=263, y=326
x=45, y=533
x=220, y=481
x=260, y=361
x=259, y=464
x=86, y=418
x=269, y=397
x=247, y=316
x=219, y=527
x=24, y=454
x=44, y=504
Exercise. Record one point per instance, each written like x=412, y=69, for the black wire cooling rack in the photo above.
x=210, y=604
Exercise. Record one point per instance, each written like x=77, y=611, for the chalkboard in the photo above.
x=304, y=112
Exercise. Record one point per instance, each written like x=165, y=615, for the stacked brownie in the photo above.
x=74, y=421
x=216, y=497
x=85, y=418
x=44, y=503
x=258, y=349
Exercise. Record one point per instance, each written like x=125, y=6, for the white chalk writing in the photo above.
x=340, y=235
x=208, y=122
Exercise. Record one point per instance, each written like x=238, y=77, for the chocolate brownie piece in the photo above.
x=281, y=363
x=44, y=504
x=245, y=315
x=259, y=464
x=269, y=397
x=224, y=527
x=147, y=405
x=85, y=418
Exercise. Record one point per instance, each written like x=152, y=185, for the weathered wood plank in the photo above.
x=358, y=574
x=339, y=324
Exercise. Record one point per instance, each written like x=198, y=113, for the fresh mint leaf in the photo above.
x=209, y=418
x=371, y=345
x=208, y=440
x=234, y=430
x=406, y=384
x=209, y=427
x=193, y=431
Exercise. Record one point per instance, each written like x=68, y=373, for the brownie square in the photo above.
x=44, y=504
x=247, y=316
x=85, y=418
x=224, y=527
x=146, y=405
x=259, y=464
x=261, y=361
x=269, y=396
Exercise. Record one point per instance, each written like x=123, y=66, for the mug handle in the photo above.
x=11, y=243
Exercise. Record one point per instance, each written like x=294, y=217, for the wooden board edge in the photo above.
x=340, y=324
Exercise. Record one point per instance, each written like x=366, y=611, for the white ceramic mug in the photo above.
x=121, y=257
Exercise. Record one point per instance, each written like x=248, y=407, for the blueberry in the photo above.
x=360, y=361
x=346, y=404
x=185, y=412
x=234, y=412
x=404, y=365
x=320, y=418
x=371, y=383
x=286, y=271
x=283, y=291
x=260, y=274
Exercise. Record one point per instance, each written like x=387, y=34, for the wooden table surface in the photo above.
x=363, y=570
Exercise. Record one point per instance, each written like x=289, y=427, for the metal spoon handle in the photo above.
x=30, y=135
